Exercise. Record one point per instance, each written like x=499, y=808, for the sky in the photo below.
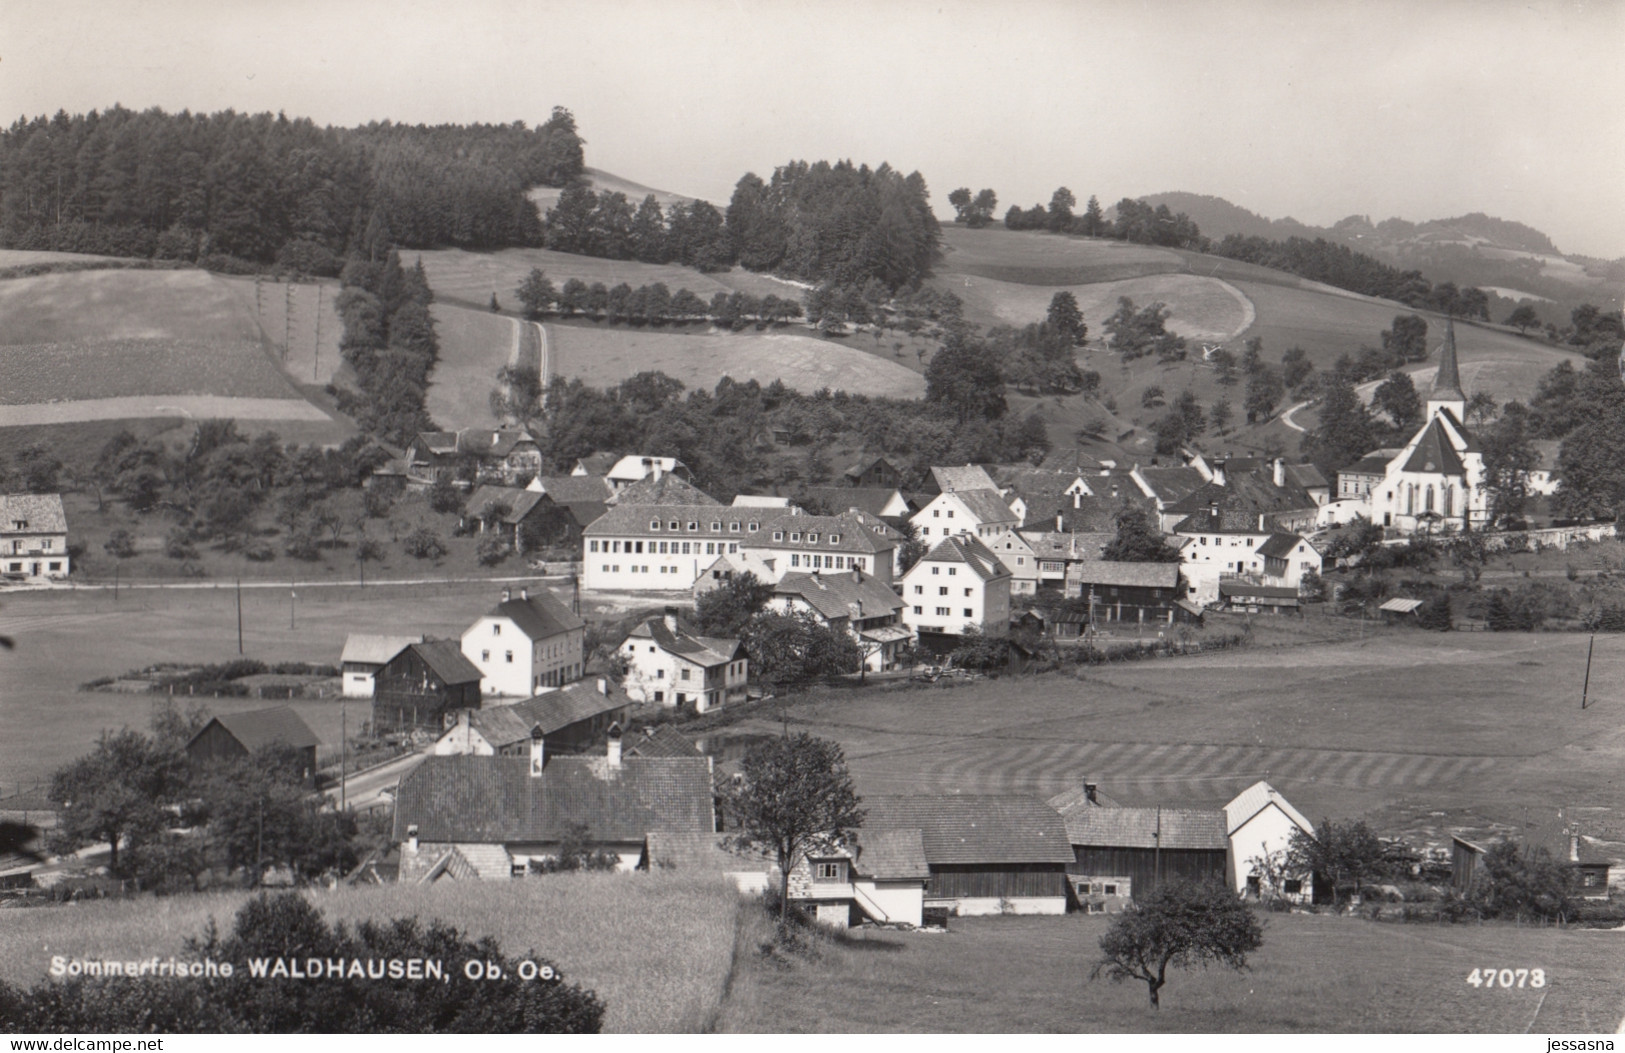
x=1313, y=109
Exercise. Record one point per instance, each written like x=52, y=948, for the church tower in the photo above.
x=1446, y=392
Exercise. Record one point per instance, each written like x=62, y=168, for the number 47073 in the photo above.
x=1507, y=977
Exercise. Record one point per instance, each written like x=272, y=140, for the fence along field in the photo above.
x=97, y=345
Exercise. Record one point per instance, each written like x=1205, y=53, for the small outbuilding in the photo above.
x=235, y=736
x=421, y=686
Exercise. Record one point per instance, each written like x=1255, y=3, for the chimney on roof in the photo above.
x=1574, y=843
x=412, y=838
x=854, y=611
x=1280, y=472
x=603, y=687
x=524, y=593
x=1077, y=500
x=816, y=579
x=536, y=756
x=857, y=576
x=1218, y=473
x=670, y=619
x=507, y=594
x=657, y=469
x=613, y=751
x=1091, y=792
x=1058, y=527
x=496, y=437
x=1261, y=521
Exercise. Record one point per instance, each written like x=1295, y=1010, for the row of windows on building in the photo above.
x=818, y=560
x=17, y=568
x=942, y=590
x=615, y=568
x=946, y=612
x=716, y=526
x=1412, y=490
x=663, y=548
x=17, y=546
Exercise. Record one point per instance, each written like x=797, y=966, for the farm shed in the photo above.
x=1127, y=592
x=1259, y=599
x=572, y=719
x=881, y=876
x=1122, y=854
x=421, y=686
x=234, y=736
x=1399, y=610
x=489, y=817
x=984, y=852
x=365, y=654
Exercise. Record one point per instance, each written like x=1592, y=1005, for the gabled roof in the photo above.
x=661, y=741
x=870, y=499
x=445, y=657
x=259, y=728
x=1068, y=800
x=832, y=595
x=1028, y=481
x=570, y=489
x=702, y=853
x=1306, y=475
x=622, y=518
x=970, y=477
x=42, y=512
x=974, y=828
x=518, y=500
x=486, y=799
x=857, y=470
x=1373, y=463
x=891, y=855
x=639, y=467
x=492, y=442
x=1097, y=514
x=597, y=464
x=986, y=505
x=1051, y=545
x=1170, y=484
x=965, y=549
x=1249, y=492
x=553, y=712
x=1433, y=452
x=856, y=532
x=1254, y=799
x=669, y=489
x=538, y=616
x=1279, y=546
x=1115, y=572
x=370, y=649
x=702, y=650
x=439, y=443
x=1148, y=828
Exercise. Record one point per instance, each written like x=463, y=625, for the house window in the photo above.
x=654, y=524
x=694, y=526
x=827, y=872
x=1021, y=561
x=835, y=539
x=967, y=592
x=510, y=655
x=1292, y=886
x=795, y=559
x=796, y=536
x=660, y=696
x=660, y=674
x=919, y=590
x=969, y=613
x=485, y=656
x=918, y=611
x=752, y=528
x=685, y=674
x=942, y=590
x=943, y=612
x=778, y=535
x=496, y=629
x=716, y=527
x=733, y=528
x=936, y=514
x=1108, y=889
x=950, y=513
x=952, y=571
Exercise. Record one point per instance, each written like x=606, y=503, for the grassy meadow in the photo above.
x=306, y=347
x=599, y=180
x=659, y=968
x=1314, y=973
x=474, y=346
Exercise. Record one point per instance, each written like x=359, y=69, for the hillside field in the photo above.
x=599, y=180
x=474, y=346
x=659, y=968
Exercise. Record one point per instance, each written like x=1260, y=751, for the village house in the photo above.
x=597, y=464
x=635, y=468
x=513, y=513
x=1259, y=823
x=1223, y=545
x=880, y=502
x=663, y=548
x=573, y=489
x=33, y=537
x=1141, y=593
x=575, y=718
x=880, y=877
x=876, y=472
x=979, y=512
x=662, y=489
x=1123, y=854
x=1248, y=597
x=985, y=854
x=489, y=817
x=1586, y=866
x=1250, y=487
x=1052, y=552
x=795, y=541
x=659, y=740
x=236, y=736
x=1166, y=484
x=669, y=666
x=421, y=686
x=364, y=654
x=852, y=602
x=505, y=455
x=959, y=584
x=527, y=644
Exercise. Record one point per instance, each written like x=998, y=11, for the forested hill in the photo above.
x=265, y=188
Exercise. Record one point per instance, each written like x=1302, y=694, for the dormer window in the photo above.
x=19, y=524
x=778, y=535
x=795, y=536
x=693, y=526
x=812, y=538
x=835, y=539
x=716, y=527
x=753, y=528
x=654, y=524
x=674, y=525
x=733, y=528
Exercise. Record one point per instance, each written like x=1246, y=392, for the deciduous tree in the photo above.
x=1180, y=924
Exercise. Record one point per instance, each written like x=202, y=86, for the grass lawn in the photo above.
x=1034, y=258
x=86, y=306
x=1202, y=308
x=1314, y=973
x=474, y=346
x=660, y=966
x=308, y=350
x=604, y=356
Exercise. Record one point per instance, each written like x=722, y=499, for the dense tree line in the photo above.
x=266, y=189
x=606, y=225
x=1337, y=265
x=389, y=341
x=650, y=304
x=1136, y=221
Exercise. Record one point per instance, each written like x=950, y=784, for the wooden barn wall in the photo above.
x=1004, y=879
x=1141, y=865
x=215, y=744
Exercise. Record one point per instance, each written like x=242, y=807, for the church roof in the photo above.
x=1447, y=383
x=1434, y=453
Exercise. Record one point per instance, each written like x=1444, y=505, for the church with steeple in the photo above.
x=1434, y=480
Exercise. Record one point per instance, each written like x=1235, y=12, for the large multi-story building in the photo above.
x=526, y=645
x=957, y=586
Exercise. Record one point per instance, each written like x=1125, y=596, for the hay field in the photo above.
x=1314, y=973
x=603, y=357
x=1202, y=308
x=307, y=349
x=27, y=257
x=1033, y=258
x=122, y=368
x=655, y=947
x=474, y=346
x=599, y=180
x=122, y=305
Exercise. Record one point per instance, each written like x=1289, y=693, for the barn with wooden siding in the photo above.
x=985, y=853
x=235, y=736
x=421, y=686
x=1122, y=854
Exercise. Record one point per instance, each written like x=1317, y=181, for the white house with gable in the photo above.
x=980, y=512
x=1260, y=823
x=959, y=584
x=33, y=536
x=526, y=645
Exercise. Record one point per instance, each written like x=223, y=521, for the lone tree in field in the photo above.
x=795, y=795
x=1182, y=924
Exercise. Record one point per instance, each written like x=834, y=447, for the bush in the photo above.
x=270, y=928
x=493, y=549
x=120, y=544
x=1435, y=614
x=424, y=543
x=178, y=544
x=444, y=497
x=377, y=502
x=303, y=546
x=259, y=552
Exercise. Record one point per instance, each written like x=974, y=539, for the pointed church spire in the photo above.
x=1446, y=392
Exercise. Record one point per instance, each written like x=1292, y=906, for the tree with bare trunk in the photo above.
x=1182, y=923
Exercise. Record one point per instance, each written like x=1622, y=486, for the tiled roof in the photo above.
x=553, y=712
x=371, y=649
x=1306, y=475
x=1114, y=572
x=597, y=464
x=442, y=443
x=1279, y=546
x=1139, y=828
x=1374, y=463
x=870, y=499
x=42, y=512
x=866, y=535
x=492, y=442
x=623, y=519
x=519, y=502
x=1250, y=492
x=539, y=616
x=1171, y=484
x=965, y=549
x=969, y=477
x=1068, y=800
x=661, y=741
x=258, y=728
x=1254, y=799
x=585, y=513
x=701, y=650
x=832, y=595
x=862, y=466
x=494, y=799
x=445, y=657
x=1434, y=453
x=973, y=828
x=669, y=489
x=1269, y=592
x=891, y=855
x=986, y=505
x=569, y=489
x=1029, y=482
x=1096, y=514
x=702, y=853
x=1050, y=545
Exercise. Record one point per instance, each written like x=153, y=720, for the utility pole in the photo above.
x=316, y=367
x=239, y=615
x=287, y=318
x=291, y=597
x=344, y=751
x=1586, y=690
x=1156, y=858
